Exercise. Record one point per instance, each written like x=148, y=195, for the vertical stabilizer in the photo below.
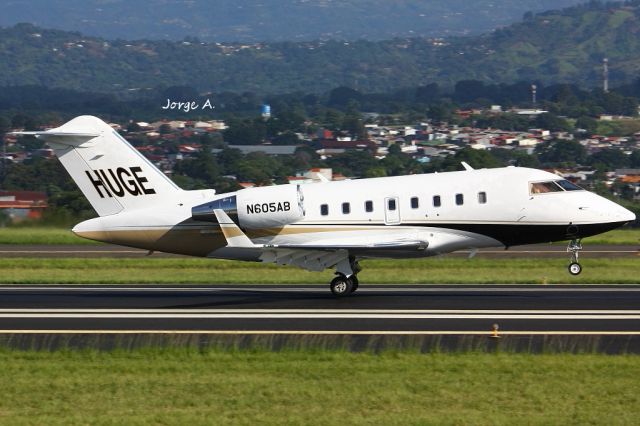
x=112, y=174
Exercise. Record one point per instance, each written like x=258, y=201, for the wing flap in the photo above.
x=310, y=256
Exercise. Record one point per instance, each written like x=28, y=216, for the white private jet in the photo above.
x=323, y=225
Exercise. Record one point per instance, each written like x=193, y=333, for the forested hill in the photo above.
x=272, y=20
x=563, y=46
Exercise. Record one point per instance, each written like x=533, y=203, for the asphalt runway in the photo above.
x=113, y=251
x=312, y=309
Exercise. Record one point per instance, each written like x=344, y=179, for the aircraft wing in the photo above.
x=312, y=256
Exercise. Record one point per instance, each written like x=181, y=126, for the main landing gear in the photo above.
x=574, y=247
x=346, y=280
x=343, y=286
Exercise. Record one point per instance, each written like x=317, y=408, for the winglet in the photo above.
x=234, y=235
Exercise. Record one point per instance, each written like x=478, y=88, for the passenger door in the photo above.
x=391, y=211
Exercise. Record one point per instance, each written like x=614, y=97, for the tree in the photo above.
x=428, y=93
x=245, y=132
x=179, y=93
x=341, y=96
x=332, y=119
x=398, y=163
x=609, y=159
x=286, y=138
x=478, y=159
x=552, y=122
x=353, y=124
x=558, y=152
x=439, y=112
x=353, y=163
x=634, y=159
x=133, y=127
x=5, y=126
x=469, y=91
x=203, y=167
x=589, y=124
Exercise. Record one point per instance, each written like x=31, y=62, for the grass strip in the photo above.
x=41, y=236
x=59, y=236
x=625, y=236
x=439, y=270
x=185, y=386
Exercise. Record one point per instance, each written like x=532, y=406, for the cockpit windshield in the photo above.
x=552, y=186
x=568, y=186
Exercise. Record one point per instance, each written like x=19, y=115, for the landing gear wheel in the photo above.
x=575, y=268
x=574, y=248
x=354, y=283
x=341, y=286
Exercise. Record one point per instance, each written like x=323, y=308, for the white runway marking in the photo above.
x=317, y=314
x=321, y=311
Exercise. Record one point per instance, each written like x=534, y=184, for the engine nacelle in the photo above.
x=270, y=206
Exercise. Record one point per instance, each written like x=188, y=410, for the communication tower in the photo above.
x=605, y=75
x=534, y=91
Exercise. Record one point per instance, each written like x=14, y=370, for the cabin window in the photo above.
x=459, y=199
x=346, y=208
x=436, y=201
x=482, y=197
x=368, y=206
x=544, y=187
x=391, y=204
x=414, y=202
x=324, y=209
x=568, y=186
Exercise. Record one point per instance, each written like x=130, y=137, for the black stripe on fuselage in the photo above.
x=516, y=233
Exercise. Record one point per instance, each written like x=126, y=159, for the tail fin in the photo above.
x=112, y=174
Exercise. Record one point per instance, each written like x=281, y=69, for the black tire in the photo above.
x=354, y=283
x=575, y=268
x=341, y=286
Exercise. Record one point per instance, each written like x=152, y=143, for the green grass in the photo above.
x=184, y=386
x=205, y=271
x=35, y=235
x=626, y=236
x=618, y=127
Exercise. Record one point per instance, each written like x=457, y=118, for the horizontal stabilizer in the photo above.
x=63, y=138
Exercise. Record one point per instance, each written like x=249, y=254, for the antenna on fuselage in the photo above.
x=466, y=166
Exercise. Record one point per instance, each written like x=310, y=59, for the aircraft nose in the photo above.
x=627, y=215
x=611, y=211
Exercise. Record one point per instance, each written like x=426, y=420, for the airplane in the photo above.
x=328, y=224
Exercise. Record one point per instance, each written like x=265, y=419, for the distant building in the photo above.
x=23, y=205
x=315, y=175
x=267, y=149
x=529, y=112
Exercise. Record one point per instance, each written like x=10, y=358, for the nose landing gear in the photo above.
x=574, y=247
